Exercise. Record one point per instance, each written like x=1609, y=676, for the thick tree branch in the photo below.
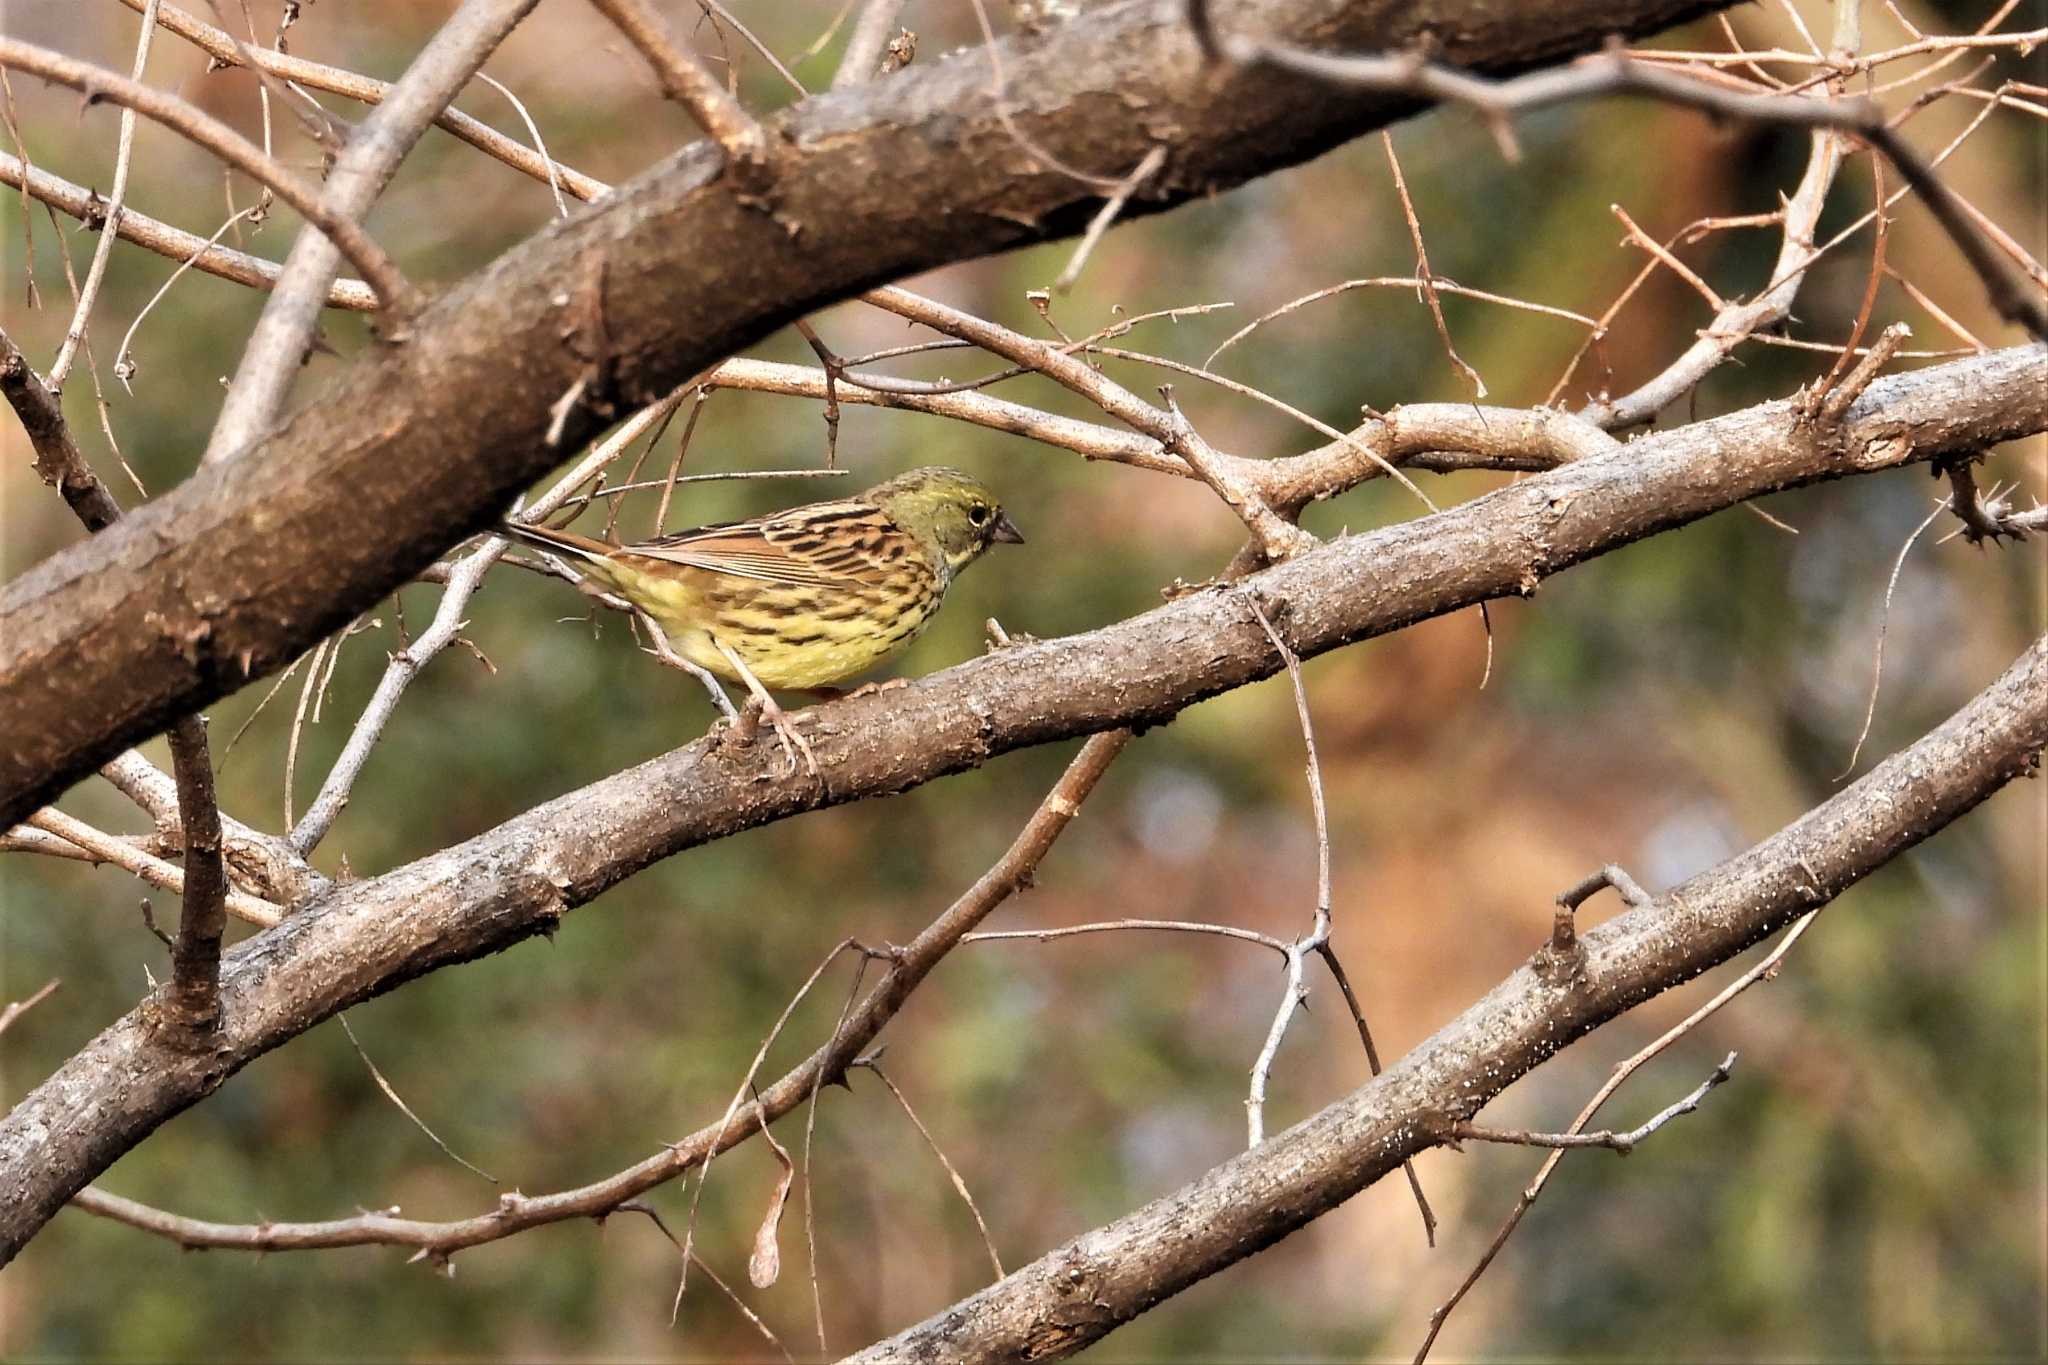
x=1080, y=1292
x=237, y=572
x=517, y=880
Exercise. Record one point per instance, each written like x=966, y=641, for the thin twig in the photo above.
x=1123, y=925
x=1619, y=1143
x=16, y=1008
x=1765, y=970
x=224, y=142
x=165, y=240
x=688, y=83
x=554, y=172
x=1438, y=283
x=223, y=49
x=1423, y=273
x=1146, y=168
x=125, y=366
x=1296, y=992
x=959, y=1185
x=97, y=271
x=391, y=1093
x=272, y=356
x=721, y=14
x=639, y=1206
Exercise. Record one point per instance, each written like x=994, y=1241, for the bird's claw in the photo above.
x=795, y=748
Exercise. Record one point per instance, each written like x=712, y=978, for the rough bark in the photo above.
x=425, y=440
x=509, y=883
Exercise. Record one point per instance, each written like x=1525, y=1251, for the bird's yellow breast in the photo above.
x=790, y=637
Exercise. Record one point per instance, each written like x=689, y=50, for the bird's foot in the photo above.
x=866, y=689
x=795, y=748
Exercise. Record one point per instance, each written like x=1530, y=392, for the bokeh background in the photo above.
x=1871, y=1184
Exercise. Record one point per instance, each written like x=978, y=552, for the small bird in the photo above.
x=804, y=598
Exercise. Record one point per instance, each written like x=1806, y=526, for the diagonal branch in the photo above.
x=686, y=82
x=59, y=462
x=1080, y=1292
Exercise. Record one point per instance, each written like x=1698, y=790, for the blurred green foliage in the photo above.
x=1871, y=1184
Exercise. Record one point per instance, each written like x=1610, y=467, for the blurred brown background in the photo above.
x=1871, y=1184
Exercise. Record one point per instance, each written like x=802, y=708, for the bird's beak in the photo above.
x=1005, y=531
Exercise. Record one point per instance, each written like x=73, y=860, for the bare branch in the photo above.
x=116, y=202
x=1619, y=1143
x=516, y=1212
x=1125, y=925
x=1766, y=969
x=277, y=345
x=16, y=1008
x=193, y=997
x=689, y=84
x=59, y=462
x=1111, y=207
x=225, y=51
x=988, y=1242
x=1615, y=73
x=165, y=240
x=224, y=142
x=1985, y=518
x=152, y=869
x=1125, y=1267
x=192, y=1000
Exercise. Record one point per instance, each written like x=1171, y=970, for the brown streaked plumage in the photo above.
x=808, y=597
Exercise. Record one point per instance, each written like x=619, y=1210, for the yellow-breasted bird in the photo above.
x=807, y=597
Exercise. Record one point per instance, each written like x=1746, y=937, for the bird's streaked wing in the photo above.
x=827, y=544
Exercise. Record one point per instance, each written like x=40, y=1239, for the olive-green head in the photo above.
x=954, y=517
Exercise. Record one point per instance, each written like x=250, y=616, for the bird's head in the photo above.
x=953, y=516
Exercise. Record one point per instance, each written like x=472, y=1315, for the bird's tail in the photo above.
x=562, y=542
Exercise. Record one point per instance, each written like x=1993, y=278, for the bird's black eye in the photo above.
x=977, y=514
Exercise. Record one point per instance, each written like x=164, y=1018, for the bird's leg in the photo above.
x=792, y=742
x=663, y=652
